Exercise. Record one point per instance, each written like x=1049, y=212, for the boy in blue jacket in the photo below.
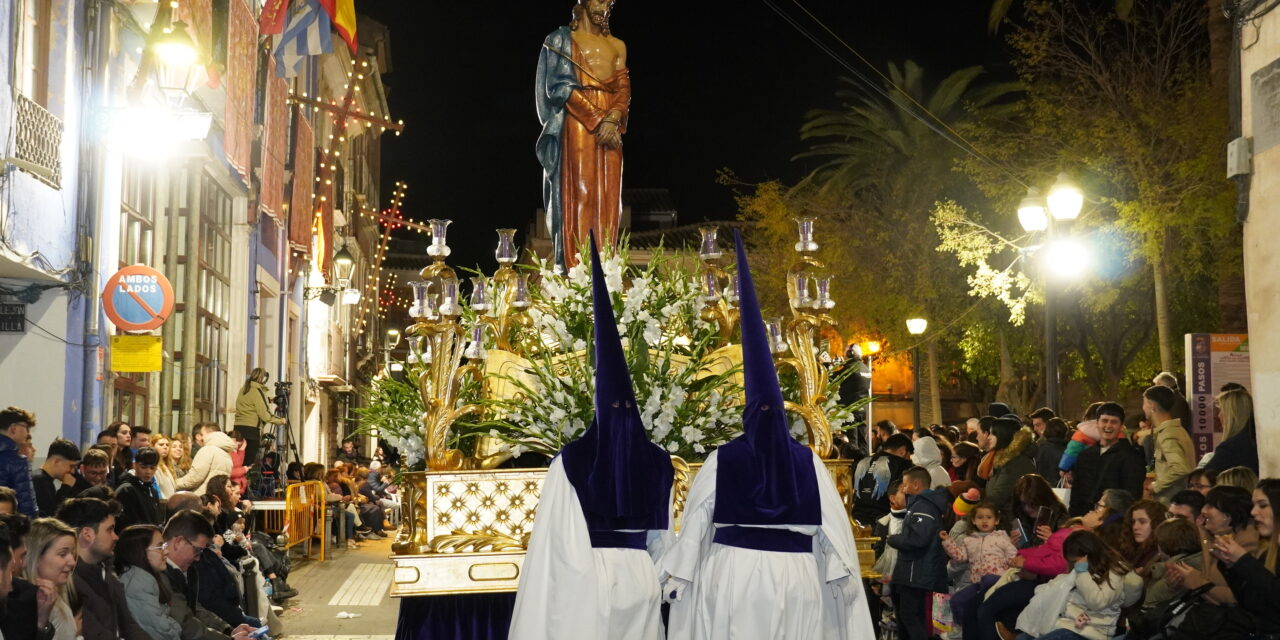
x=922, y=562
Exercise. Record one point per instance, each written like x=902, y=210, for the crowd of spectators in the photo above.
x=150, y=536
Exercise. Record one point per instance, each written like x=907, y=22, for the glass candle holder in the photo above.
x=824, y=300
x=709, y=248
x=480, y=294
x=506, y=251
x=710, y=286
x=804, y=225
x=800, y=298
x=476, y=350
x=449, y=306
x=421, y=291
x=773, y=327
x=734, y=290
x=521, y=299
x=439, y=248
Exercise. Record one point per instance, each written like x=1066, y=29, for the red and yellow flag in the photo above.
x=343, y=15
x=271, y=22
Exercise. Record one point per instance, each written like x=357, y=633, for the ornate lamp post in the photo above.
x=916, y=327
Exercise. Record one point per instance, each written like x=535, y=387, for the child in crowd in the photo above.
x=1101, y=585
x=889, y=525
x=988, y=550
x=921, y=568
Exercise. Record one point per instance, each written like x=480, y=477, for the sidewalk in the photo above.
x=355, y=581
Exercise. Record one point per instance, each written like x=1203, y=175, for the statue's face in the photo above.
x=597, y=11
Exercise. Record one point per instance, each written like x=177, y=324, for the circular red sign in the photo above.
x=137, y=298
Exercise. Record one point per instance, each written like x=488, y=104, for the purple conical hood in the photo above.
x=623, y=480
x=764, y=475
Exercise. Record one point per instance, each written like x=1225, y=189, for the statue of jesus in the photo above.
x=583, y=94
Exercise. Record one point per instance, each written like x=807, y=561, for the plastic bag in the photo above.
x=1041, y=614
x=942, y=619
x=1062, y=491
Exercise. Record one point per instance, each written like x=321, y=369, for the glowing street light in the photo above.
x=175, y=55
x=917, y=326
x=1066, y=258
x=1031, y=211
x=1065, y=198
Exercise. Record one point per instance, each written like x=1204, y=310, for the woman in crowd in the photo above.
x=165, y=478
x=1242, y=477
x=928, y=455
x=315, y=472
x=964, y=462
x=1202, y=480
x=1107, y=516
x=139, y=560
x=1239, y=446
x=1051, y=446
x=1138, y=545
x=239, y=469
x=1179, y=542
x=1036, y=505
x=253, y=412
x=179, y=454
x=370, y=515
x=1102, y=584
x=51, y=557
x=1226, y=512
x=1010, y=458
x=1251, y=576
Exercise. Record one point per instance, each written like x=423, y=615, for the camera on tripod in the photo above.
x=281, y=399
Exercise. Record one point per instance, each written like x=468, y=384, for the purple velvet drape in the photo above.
x=482, y=616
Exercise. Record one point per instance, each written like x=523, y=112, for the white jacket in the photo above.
x=928, y=455
x=212, y=459
x=1100, y=602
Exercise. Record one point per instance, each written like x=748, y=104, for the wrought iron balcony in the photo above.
x=39, y=138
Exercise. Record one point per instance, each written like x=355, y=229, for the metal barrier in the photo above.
x=304, y=516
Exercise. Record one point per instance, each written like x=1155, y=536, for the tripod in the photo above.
x=284, y=432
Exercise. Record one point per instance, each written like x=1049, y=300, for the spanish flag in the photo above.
x=343, y=15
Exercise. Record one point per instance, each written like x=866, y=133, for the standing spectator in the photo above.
x=1010, y=459
x=55, y=482
x=50, y=562
x=137, y=496
x=139, y=560
x=964, y=462
x=252, y=412
x=872, y=476
x=15, y=470
x=1175, y=457
x=1239, y=446
x=881, y=433
x=214, y=459
x=1112, y=462
x=105, y=612
x=95, y=468
x=922, y=562
x=1040, y=420
x=141, y=438
x=927, y=454
x=1180, y=409
x=239, y=468
x=1053, y=443
x=165, y=477
x=186, y=537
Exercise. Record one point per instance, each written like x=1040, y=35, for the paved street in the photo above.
x=353, y=582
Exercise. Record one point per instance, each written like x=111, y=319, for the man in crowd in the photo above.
x=873, y=475
x=1187, y=504
x=102, y=600
x=141, y=438
x=1039, y=419
x=883, y=430
x=15, y=470
x=1175, y=457
x=94, y=469
x=197, y=435
x=139, y=502
x=186, y=536
x=8, y=501
x=56, y=482
x=1112, y=463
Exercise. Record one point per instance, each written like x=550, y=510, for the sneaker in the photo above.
x=351, y=544
x=380, y=534
x=277, y=609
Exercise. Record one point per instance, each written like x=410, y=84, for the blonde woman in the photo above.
x=165, y=477
x=51, y=558
x=179, y=454
x=1242, y=477
x=1239, y=446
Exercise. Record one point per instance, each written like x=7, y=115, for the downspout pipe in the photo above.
x=93, y=93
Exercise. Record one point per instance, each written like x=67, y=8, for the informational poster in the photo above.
x=136, y=354
x=1213, y=359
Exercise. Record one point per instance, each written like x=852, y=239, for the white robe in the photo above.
x=569, y=590
x=746, y=594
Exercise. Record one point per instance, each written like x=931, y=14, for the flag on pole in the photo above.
x=343, y=15
x=306, y=33
x=271, y=22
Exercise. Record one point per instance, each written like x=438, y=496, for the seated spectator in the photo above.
x=1102, y=585
x=179, y=455
x=269, y=475
x=8, y=501
x=186, y=537
x=388, y=509
x=1251, y=577
x=103, y=606
x=1179, y=542
x=1239, y=446
x=213, y=459
x=1242, y=477
x=1039, y=511
x=1226, y=513
x=370, y=515
x=139, y=559
x=1138, y=542
x=335, y=501
x=137, y=495
x=22, y=613
x=1187, y=505
x=15, y=470
x=1202, y=480
x=50, y=561
x=219, y=587
x=55, y=482
x=293, y=473
x=1107, y=516
x=1038, y=565
x=95, y=469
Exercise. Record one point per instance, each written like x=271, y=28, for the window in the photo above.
x=37, y=31
x=212, y=299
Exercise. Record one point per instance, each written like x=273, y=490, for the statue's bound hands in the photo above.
x=608, y=135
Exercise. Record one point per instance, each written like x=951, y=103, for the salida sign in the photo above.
x=137, y=298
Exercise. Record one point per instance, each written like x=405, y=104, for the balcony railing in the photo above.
x=39, y=138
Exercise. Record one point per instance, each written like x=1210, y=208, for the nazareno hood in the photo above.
x=623, y=480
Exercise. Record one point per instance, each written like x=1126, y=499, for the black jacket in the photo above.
x=867, y=506
x=103, y=606
x=48, y=499
x=1240, y=450
x=922, y=562
x=1123, y=466
x=217, y=589
x=139, y=503
x=1255, y=590
x=18, y=612
x=197, y=622
x=1047, y=459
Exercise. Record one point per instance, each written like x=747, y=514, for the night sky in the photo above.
x=716, y=84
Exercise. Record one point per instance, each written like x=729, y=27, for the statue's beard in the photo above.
x=600, y=19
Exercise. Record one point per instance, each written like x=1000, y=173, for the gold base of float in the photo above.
x=466, y=531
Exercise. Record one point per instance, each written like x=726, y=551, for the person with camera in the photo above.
x=252, y=412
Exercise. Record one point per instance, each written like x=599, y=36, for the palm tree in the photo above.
x=1000, y=11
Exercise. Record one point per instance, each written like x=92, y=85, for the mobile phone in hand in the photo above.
x=1043, y=516
x=260, y=632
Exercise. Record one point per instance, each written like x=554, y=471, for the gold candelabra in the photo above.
x=718, y=307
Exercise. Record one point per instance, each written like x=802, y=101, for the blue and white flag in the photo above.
x=306, y=33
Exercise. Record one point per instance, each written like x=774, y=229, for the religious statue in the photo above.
x=583, y=94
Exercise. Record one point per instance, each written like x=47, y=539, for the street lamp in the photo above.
x=1064, y=258
x=174, y=56
x=916, y=327
x=344, y=265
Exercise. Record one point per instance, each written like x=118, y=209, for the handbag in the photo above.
x=1062, y=491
